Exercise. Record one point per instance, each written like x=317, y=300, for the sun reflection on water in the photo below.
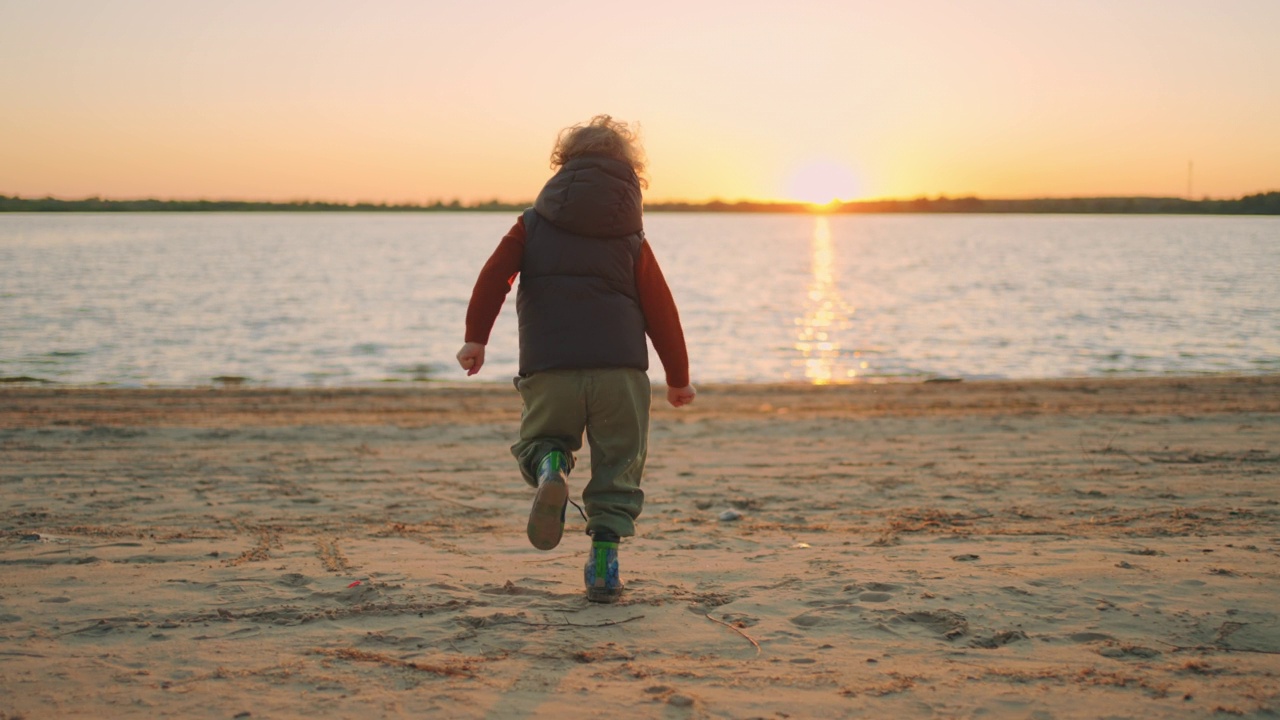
x=827, y=318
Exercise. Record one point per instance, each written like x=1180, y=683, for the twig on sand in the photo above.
x=462, y=670
x=736, y=629
x=1127, y=454
x=1108, y=449
x=460, y=504
x=566, y=623
x=555, y=558
x=1221, y=648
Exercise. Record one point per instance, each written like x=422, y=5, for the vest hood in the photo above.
x=594, y=196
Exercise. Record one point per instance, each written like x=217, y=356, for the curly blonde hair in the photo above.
x=602, y=136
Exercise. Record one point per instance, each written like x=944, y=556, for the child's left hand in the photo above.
x=471, y=357
x=679, y=397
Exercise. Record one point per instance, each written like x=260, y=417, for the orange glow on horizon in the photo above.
x=415, y=102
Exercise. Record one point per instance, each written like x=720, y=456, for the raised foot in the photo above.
x=546, y=517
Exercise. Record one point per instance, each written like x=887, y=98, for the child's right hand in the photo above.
x=679, y=397
x=471, y=357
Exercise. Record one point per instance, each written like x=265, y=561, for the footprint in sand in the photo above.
x=380, y=639
x=511, y=588
x=875, y=592
x=821, y=615
x=741, y=620
x=999, y=639
x=492, y=619
x=883, y=587
x=294, y=580
x=946, y=623
x=1128, y=652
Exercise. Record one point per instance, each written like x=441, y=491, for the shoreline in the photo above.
x=1261, y=203
x=26, y=382
x=434, y=403
x=1048, y=548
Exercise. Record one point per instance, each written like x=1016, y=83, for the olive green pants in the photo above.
x=612, y=406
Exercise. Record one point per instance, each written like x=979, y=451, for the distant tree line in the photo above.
x=95, y=204
x=1260, y=204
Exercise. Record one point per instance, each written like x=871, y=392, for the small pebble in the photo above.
x=730, y=516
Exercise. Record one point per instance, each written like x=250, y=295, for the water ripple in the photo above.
x=303, y=299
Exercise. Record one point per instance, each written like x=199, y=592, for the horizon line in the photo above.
x=458, y=203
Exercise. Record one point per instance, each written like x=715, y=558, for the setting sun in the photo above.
x=821, y=183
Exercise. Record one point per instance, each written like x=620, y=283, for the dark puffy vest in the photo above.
x=577, y=302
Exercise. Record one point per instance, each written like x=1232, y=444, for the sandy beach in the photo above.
x=1047, y=549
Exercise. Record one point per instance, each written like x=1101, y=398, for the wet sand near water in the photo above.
x=1077, y=548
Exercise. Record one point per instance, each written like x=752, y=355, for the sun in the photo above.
x=821, y=183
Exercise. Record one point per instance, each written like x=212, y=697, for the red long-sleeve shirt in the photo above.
x=662, y=320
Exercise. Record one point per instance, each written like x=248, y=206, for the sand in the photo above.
x=1085, y=548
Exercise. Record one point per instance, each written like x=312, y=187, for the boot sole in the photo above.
x=603, y=595
x=546, y=517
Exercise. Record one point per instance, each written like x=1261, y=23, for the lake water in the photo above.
x=349, y=299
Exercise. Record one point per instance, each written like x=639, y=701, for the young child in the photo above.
x=590, y=290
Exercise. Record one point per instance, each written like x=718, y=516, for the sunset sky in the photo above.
x=810, y=100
